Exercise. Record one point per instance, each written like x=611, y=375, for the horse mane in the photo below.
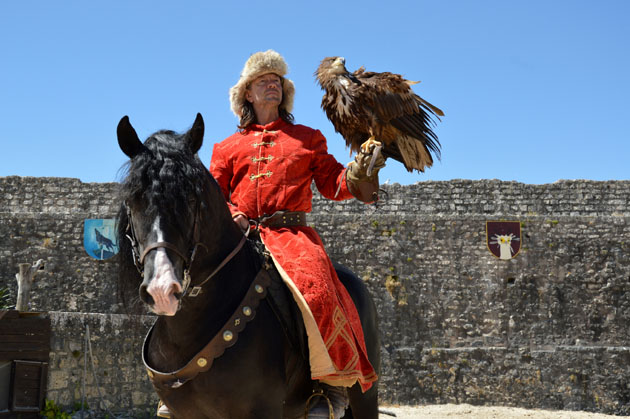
x=164, y=177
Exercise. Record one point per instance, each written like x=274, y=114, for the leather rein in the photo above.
x=138, y=258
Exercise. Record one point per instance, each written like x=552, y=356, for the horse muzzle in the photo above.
x=161, y=291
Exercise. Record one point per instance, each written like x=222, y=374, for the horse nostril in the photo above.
x=145, y=297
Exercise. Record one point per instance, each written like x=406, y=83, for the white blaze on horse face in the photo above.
x=164, y=284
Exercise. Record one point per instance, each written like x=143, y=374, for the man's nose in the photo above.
x=273, y=83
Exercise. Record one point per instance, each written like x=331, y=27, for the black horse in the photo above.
x=175, y=229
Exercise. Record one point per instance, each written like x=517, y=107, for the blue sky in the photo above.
x=533, y=91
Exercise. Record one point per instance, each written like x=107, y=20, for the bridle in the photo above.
x=138, y=258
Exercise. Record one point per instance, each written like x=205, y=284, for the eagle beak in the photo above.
x=340, y=63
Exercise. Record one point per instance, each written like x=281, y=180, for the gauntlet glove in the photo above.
x=362, y=173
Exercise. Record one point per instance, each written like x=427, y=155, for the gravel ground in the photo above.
x=456, y=411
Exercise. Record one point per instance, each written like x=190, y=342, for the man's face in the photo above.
x=265, y=90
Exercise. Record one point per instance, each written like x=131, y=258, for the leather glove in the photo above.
x=362, y=179
x=359, y=169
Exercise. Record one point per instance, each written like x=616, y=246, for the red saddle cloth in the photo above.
x=340, y=358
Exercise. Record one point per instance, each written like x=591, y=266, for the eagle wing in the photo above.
x=346, y=115
x=401, y=119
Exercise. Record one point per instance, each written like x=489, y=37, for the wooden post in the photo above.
x=25, y=278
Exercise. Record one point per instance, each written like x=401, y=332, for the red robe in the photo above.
x=270, y=168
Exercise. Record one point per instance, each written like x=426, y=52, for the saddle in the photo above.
x=283, y=305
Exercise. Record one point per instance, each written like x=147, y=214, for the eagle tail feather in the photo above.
x=434, y=109
x=391, y=151
x=414, y=126
x=414, y=153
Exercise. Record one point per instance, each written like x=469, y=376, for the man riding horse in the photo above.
x=265, y=171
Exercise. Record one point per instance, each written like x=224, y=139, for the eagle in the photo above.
x=379, y=108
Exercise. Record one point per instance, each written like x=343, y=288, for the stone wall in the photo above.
x=42, y=218
x=105, y=372
x=546, y=329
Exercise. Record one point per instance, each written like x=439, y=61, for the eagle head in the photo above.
x=330, y=68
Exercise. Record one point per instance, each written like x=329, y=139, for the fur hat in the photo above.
x=259, y=64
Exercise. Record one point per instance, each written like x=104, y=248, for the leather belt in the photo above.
x=283, y=219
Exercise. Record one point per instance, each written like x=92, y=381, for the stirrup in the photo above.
x=162, y=411
x=331, y=402
x=317, y=410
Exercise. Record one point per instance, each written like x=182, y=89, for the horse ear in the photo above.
x=128, y=139
x=195, y=135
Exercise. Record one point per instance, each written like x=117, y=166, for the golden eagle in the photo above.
x=379, y=106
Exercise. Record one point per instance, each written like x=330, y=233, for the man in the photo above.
x=265, y=171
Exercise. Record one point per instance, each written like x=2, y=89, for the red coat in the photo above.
x=270, y=168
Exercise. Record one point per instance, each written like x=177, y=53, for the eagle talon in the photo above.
x=368, y=146
x=370, y=156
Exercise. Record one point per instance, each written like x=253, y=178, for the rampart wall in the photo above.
x=546, y=329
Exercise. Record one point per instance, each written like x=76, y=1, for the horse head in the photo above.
x=167, y=198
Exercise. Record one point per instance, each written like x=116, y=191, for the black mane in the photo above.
x=165, y=176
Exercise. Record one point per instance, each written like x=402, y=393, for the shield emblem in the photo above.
x=503, y=238
x=99, y=238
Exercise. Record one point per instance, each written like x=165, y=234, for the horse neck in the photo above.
x=200, y=318
x=222, y=292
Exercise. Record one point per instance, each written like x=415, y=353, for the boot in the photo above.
x=328, y=402
x=162, y=411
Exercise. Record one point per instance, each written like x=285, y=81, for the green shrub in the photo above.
x=52, y=411
x=5, y=299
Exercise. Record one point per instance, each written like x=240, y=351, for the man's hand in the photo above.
x=242, y=222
